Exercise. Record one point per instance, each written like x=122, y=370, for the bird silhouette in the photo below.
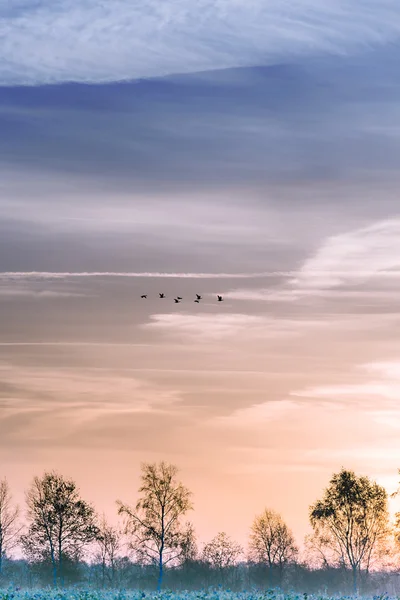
x=198, y=296
x=162, y=295
x=176, y=300
x=198, y=301
x=179, y=297
x=219, y=298
x=144, y=296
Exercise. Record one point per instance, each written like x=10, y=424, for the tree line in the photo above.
x=64, y=538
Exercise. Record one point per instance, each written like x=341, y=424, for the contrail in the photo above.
x=37, y=275
x=122, y=344
x=12, y=275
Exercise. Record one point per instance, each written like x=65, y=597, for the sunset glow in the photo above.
x=248, y=153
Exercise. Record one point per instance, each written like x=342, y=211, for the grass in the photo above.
x=15, y=593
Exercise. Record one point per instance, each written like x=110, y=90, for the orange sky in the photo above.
x=257, y=403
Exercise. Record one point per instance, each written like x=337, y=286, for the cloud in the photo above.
x=255, y=329
x=216, y=327
x=388, y=418
x=46, y=409
x=48, y=42
x=76, y=343
x=385, y=387
x=11, y=292
x=18, y=275
x=82, y=394
x=362, y=454
x=291, y=295
x=391, y=370
x=370, y=391
x=354, y=257
x=258, y=415
x=319, y=120
x=361, y=264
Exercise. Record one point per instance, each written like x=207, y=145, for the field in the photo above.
x=74, y=594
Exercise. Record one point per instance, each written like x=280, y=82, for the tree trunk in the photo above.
x=60, y=562
x=54, y=564
x=269, y=575
x=280, y=575
x=160, y=572
x=112, y=573
x=1, y=549
x=355, y=580
x=60, y=570
x=103, y=573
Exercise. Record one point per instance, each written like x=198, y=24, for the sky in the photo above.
x=243, y=148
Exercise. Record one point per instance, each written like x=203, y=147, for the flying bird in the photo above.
x=198, y=301
x=144, y=296
x=198, y=296
x=219, y=298
x=162, y=295
x=179, y=297
x=176, y=300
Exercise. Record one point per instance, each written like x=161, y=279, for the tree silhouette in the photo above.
x=108, y=542
x=10, y=527
x=157, y=534
x=352, y=518
x=271, y=542
x=222, y=551
x=61, y=523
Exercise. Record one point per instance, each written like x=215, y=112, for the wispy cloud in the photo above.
x=18, y=275
x=11, y=292
x=359, y=264
x=371, y=390
x=205, y=327
x=354, y=257
x=76, y=343
x=383, y=384
x=257, y=415
x=291, y=295
x=362, y=454
x=255, y=294
x=215, y=327
x=93, y=393
x=46, y=42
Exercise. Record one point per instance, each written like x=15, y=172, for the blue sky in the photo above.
x=250, y=149
x=45, y=42
x=321, y=118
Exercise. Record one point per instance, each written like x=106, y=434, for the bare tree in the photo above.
x=352, y=519
x=272, y=542
x=10, y=528
x=222, y=552
x=61, y=523
x=189, y=550
x=157, y=534
x=108, y=542
x=320, y=553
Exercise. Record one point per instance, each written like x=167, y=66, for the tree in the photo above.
x=221, y=552
x=352, y=518
x=318, y=554
x=109, y=543
x=189, y=550
x=10, y=528
x=61, y=523
x=158, y=536
x=271, y=542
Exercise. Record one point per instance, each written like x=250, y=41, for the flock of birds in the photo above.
x=179, y=298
